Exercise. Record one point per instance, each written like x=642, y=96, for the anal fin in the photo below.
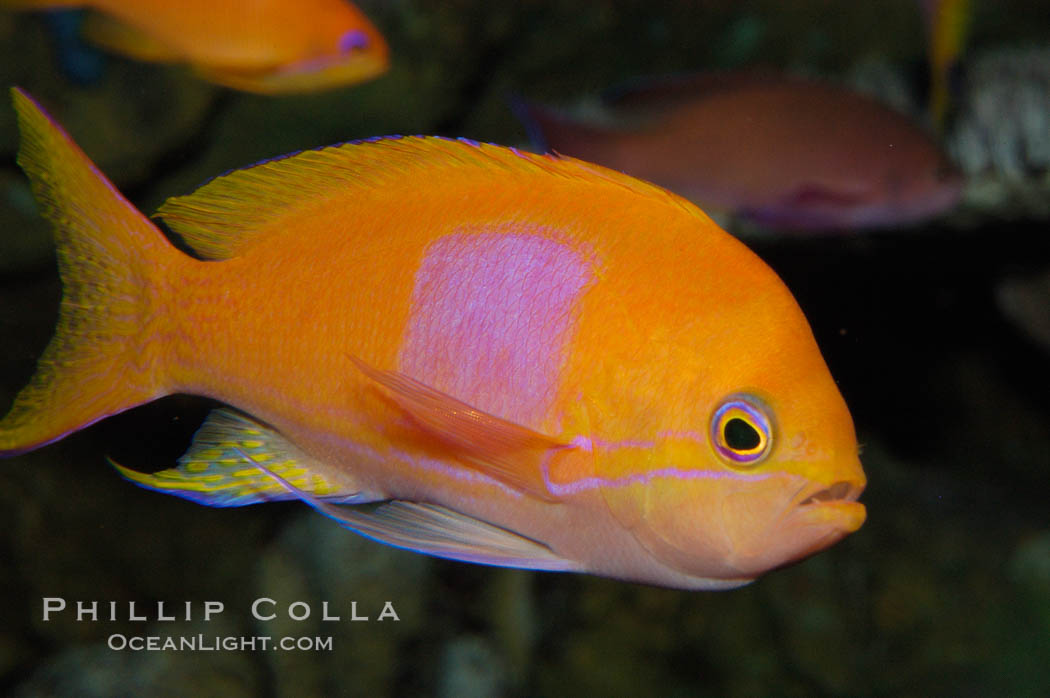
x=214, y=470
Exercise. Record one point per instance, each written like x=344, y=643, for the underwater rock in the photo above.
x=611, y=638
x=814, y=619
x=337, y=579
x=98, y=670
x=1030, y=564
x=470, y=668
x=1026, y=302
x=1001, y=136
x=1004, y=115
x=511, y=606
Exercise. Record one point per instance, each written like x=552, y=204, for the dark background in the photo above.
x=944, y=591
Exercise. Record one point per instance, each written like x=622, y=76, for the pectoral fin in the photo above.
x=508, y=452
x=435, y=530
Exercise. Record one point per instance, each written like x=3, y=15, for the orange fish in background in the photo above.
x=782, y=152
x=264, y=46
x=947, y=24
x=519, y=360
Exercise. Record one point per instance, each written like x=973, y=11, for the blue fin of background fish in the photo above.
x=214, y=471
x=81, y=64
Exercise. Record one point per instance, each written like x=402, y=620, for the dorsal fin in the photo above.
x=231, y=212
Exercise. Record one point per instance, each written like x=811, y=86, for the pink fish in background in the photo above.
x=782, y=152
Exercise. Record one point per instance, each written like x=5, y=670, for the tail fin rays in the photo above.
x=110, y=258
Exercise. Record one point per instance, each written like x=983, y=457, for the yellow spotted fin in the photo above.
x=215, y=470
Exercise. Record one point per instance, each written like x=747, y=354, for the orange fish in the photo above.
x=947, y=30
x=520, y=360
x=783, y=152
x=265, y=46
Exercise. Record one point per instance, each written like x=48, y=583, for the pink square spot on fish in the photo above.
x=491, y=315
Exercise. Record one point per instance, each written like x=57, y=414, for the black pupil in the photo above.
x=741, y=436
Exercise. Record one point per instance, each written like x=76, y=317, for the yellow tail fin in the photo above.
x=101, y=360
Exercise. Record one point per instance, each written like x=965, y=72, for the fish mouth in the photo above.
x=842, y=491
x=833, y=506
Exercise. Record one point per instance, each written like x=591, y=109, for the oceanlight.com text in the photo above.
x=216, y=643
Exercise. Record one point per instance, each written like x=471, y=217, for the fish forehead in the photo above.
x=491, y=314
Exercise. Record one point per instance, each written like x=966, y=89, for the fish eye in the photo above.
x=741, y=430
x=353, y=40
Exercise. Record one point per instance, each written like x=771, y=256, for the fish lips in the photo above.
x=834, y=506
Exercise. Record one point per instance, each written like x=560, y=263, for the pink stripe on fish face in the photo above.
x=491, y=315
x=644, y=477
